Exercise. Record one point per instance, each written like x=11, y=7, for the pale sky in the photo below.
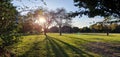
x=53, y=4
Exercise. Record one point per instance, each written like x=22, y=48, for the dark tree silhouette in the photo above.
x=75, y=29
x=9, y=26
x=98, y=7
x=8, y=22
x=54, y=29
x=94, y=8
x=67, y=29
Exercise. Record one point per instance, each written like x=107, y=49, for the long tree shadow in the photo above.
x=98, y=47
x=48, y=48
x=30, y=52
x=97, y=34
x=34, y=50
x=77, y=38
x=53, y=49
x=56, y=48
x=73, y=48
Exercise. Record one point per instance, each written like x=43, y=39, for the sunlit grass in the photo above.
x=67, y=45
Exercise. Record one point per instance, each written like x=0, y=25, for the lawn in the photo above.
x=68, y=45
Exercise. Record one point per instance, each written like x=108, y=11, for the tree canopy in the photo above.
x=8, y=22
x=98, y=7
x=62, y=18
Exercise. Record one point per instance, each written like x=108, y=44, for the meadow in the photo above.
x=68, y=45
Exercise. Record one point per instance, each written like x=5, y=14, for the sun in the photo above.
x=42, y=20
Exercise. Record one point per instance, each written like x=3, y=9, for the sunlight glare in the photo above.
x=42, y=20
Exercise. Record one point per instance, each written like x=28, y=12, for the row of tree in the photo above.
x=95, y=28
x=32, y=22
x=61, y=20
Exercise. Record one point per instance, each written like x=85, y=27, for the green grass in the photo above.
x=68, y=45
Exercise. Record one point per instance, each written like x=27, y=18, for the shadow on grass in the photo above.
x=73, y=48
x=31, y=52
x=98, y=34
x=77, y=38
x=53, y=49
x=56, y=48
x=34, y=50
x=102, y=48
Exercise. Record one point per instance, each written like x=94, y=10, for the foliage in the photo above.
x=48, y=16
x=95, y=28
x=98, y=7
x=33, y=28
x=9, y=26
x=67, y=29
x=28, y=24
x=61, y=18
x=100, y=28
x=85, y=29
x=75, y=29
x=54, y=29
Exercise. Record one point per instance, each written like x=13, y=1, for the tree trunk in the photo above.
x=107, y=31
x=45, y=32
x=60, y=30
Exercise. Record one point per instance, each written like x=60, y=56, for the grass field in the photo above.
x=68, y=45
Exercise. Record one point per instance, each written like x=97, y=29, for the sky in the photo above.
x=53, y=4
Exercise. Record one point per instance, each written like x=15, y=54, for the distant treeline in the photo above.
x=96, y=28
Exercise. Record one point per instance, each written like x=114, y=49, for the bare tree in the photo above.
x=61, y=18
x=48, y=18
